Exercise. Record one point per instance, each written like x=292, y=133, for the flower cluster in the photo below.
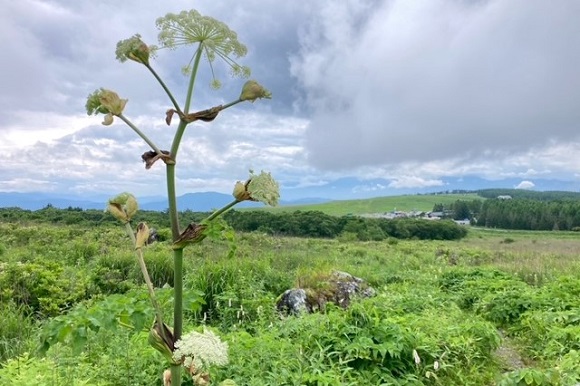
x=201, y=350
x=134, y=49
x=260, y=187
x=213, y=36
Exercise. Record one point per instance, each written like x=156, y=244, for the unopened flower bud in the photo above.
x=111, y=101
x=241, y=192
x=201, y=379
x=108, y=120
x=142, y=235
x=161, y=339
x=252, y=90
x=167, y=378
x=123, y=207
x=107, y=102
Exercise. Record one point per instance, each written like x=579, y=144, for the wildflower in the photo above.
x=134, y=49
x=416, y=357
x=215, y=39
x=123, y=207
x=201, y=350
x=260, y=187
x=107, y=102
x=252, y=90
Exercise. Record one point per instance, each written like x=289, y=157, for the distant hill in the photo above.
x=206, y=201
x=382, y=204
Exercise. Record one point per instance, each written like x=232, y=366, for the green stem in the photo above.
x=146, y=277
x=231, y=104
x=196, y=61
x=222, y=210
x=169, y=94
x=172, y=201
x=177, y=267
x=176, y=375
x=171, y=194
x=178, y=288
x=177, y=308
x=140, y=133
x=182, y=124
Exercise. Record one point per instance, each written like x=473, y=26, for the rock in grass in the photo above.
x=338, y=287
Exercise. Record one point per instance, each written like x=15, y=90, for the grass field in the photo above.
x=495, y=308
x=382, y=204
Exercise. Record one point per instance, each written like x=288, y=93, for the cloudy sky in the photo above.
x=409, y=91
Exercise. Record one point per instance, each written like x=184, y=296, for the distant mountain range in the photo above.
x=197, y=202
x=340, y=189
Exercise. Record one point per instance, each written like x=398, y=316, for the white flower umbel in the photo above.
x=201, y=349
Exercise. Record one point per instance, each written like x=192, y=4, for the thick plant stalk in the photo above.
x=177, y=268
x=173, y=214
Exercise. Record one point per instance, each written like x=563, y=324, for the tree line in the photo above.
x=517, y=213
x=313, y=224
x=527, y=214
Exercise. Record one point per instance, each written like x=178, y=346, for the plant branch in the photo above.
x=140, y=133
x=231, y=104
x=169, y=94
x=222, y=210
x=192, y=78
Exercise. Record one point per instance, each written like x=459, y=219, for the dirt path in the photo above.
x=508, y=355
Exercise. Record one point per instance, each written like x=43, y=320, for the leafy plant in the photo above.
x=212, y=40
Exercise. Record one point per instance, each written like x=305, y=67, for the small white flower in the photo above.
x=416, y=357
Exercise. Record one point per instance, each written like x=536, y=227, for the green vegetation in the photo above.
x=301, y=224
x=529, y=194
x=530, y=214
x=476, y=311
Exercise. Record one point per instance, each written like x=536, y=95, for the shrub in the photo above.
x=46, y=288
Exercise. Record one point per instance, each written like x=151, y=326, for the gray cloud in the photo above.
x=434, y=80
x=403, y=90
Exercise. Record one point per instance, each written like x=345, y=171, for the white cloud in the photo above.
x=525, y=185
x=369, y=188
x=26, y=185
x=414, y=182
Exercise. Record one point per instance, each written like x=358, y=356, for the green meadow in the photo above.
x=494, y=308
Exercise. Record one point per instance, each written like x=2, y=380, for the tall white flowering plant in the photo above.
x=212, y=41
